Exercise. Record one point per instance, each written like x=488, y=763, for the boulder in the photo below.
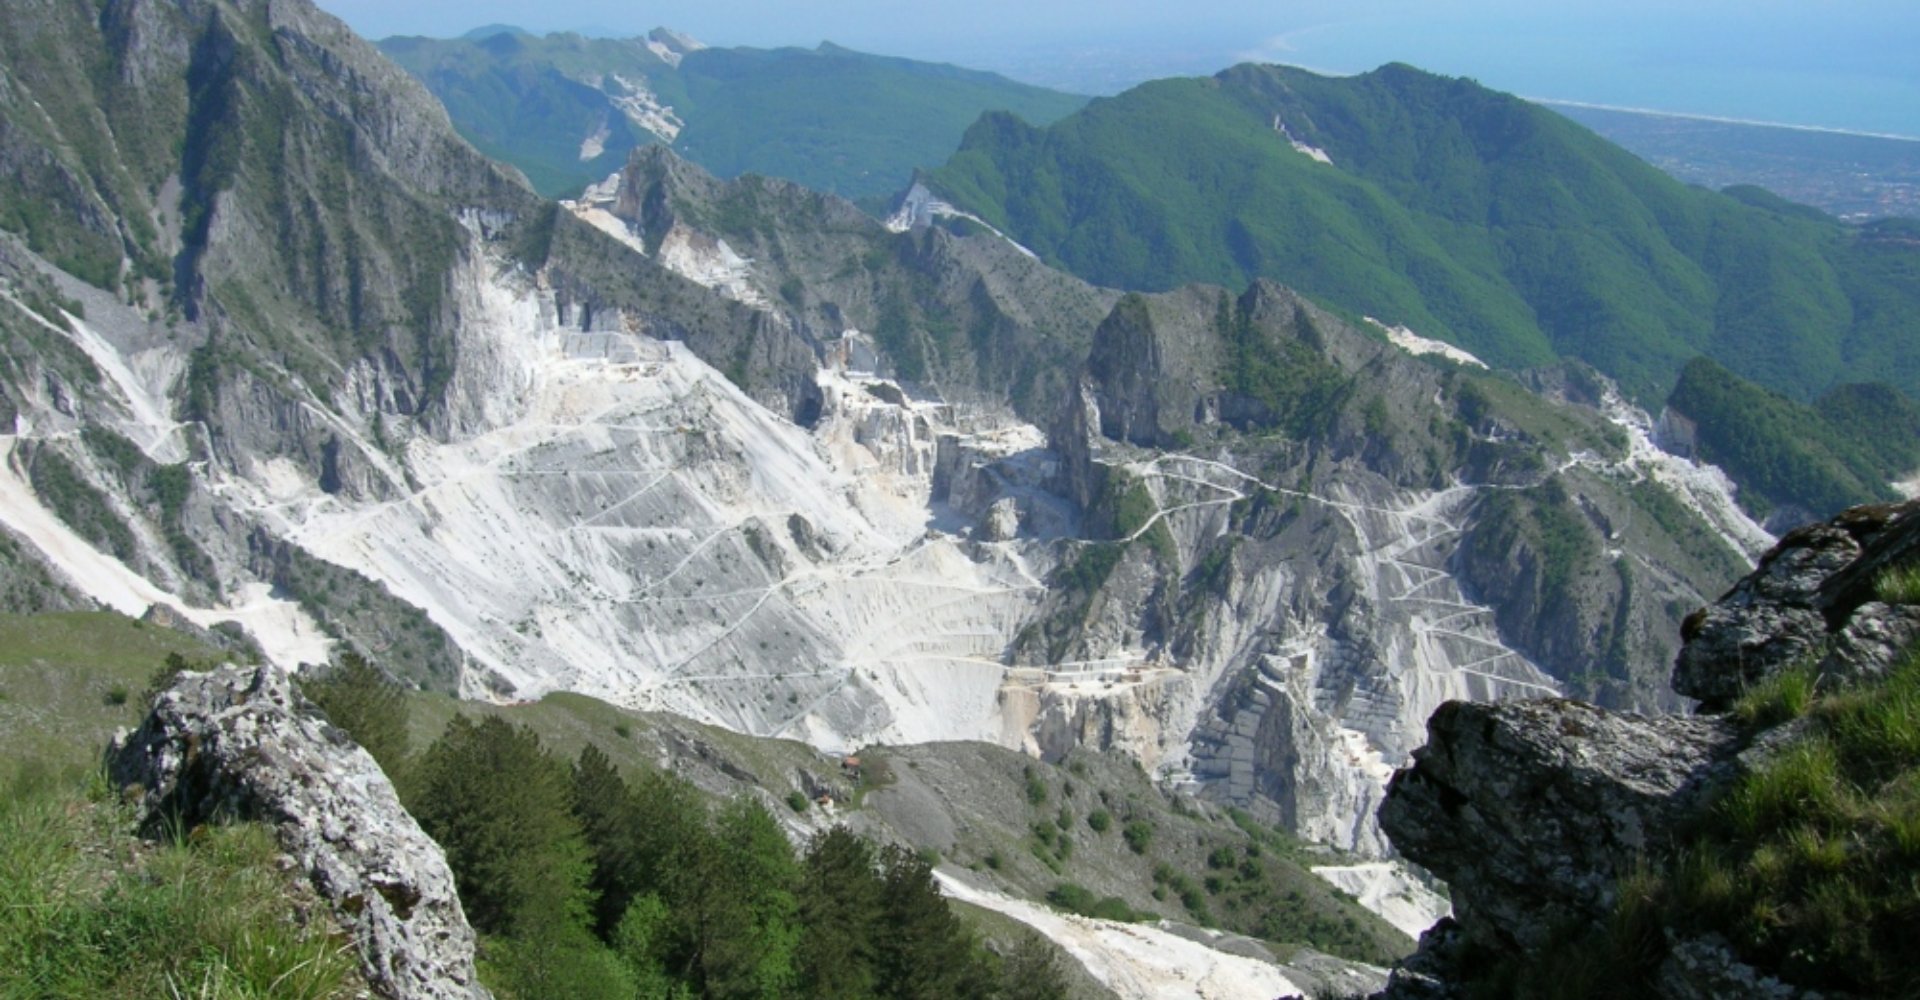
x=242, y=743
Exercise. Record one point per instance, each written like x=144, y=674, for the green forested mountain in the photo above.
x=1469, y=215
x=1846, y=448
x=567, y=109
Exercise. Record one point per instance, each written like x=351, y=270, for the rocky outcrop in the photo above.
x=1536, y=809
x=241, y=742
x=1814, y=589
x=1534, y=812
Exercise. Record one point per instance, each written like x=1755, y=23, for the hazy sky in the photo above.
x=1839, y=63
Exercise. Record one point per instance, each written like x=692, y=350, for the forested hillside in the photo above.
x=567, y=109
x=1468, y=215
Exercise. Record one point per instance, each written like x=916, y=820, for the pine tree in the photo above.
x=928, y=954
x=748, y=911
x=841, y=909
x=361, y=699
x=608, y=820
x=502, y=809
x=1031, y=971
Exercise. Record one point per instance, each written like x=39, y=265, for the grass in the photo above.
x=1787, y=694
x=67, y=677
x=87, y=909
x=1899, y=584
x=1809, y=866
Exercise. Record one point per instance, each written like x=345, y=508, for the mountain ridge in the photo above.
x=1471, y=216
x=736, y=450
x=567, y=109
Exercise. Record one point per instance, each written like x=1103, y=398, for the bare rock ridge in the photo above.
x=242, y=742
x=1534, y=811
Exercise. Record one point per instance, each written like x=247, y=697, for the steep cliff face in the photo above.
x=1329, y=537
x=1541, y=815
x=238, y=743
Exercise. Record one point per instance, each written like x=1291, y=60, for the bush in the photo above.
x=797, y=801
x=1075, y=898
x=1099, y=820
x=1138, y=834
x=1036, y=789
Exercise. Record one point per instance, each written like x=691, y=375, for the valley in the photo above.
x=976, y=521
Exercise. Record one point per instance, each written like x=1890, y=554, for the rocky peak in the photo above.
x=240, y=742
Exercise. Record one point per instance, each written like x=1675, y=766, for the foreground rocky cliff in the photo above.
x=1566, y=830
x=242, y=743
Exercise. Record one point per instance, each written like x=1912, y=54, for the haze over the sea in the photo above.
x=1849, y=65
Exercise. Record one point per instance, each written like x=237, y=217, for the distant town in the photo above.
x=1852, y=176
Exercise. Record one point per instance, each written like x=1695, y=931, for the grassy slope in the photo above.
x=69, y=679
x=62, y=677
x=1469, y=215
x=1806, y=866
x=830, y=118
x=1260, y=885
x=86, y=907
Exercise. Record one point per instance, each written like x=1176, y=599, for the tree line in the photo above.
x=583, y=883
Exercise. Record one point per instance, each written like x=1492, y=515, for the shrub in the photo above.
x=1036, y=789
x=1075, y=898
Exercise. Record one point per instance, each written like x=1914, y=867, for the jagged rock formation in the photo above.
x=1812, y=594
x=1332, y=537
x=242, y=743
x=1534, y=812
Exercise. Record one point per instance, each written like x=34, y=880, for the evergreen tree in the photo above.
x=361, y=699
x=608, y=820
x=841, y=910
x=928, y=954
x=1031, y=971
x=502, y=809
x=746, y=908
x=644, y=940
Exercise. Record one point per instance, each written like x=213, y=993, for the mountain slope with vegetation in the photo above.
x=1854, y=443
x=567, y=109
x=1468, y=215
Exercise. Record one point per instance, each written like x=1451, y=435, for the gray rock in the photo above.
x=1532, y=811
x=1706, y=969
x=1811, y=599
x=241, y=742
x=1871, y=642
x=1768, y=621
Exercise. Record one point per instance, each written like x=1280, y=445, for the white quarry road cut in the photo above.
x=1136, y=961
